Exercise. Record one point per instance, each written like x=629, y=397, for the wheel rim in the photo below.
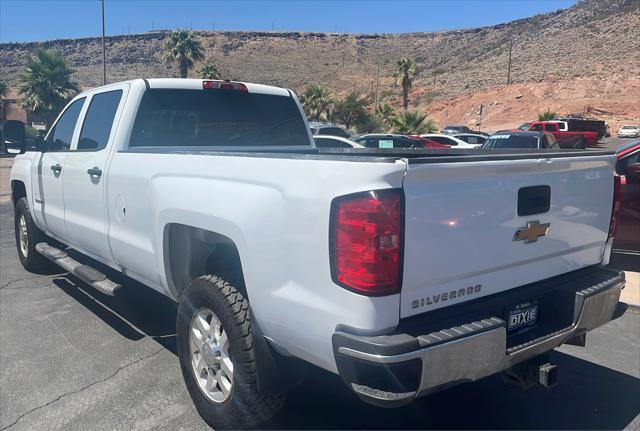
x=23, y=236
x=210, y=361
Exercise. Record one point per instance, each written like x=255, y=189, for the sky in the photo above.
x=24, y=20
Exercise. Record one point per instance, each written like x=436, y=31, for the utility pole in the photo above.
x=104, y=57
x=509, y=68
x=376, y=93
x=480, y=121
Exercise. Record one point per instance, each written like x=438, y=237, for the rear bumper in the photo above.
x=392, y=370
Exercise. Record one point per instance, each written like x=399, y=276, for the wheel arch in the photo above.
x=18, y=190
x=190, y=252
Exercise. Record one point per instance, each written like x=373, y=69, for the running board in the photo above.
x=89, y=275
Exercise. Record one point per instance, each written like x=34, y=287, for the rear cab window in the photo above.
x=98, y=121
x=207, y=118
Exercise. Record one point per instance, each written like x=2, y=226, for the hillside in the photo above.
x=593, y=43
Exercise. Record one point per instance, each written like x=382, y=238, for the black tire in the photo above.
x=246, y=406
x=32, y=261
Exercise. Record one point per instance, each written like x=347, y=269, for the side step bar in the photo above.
x=89, y=275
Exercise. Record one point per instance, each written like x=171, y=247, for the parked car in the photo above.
x=629, y=131
x=449, y=140
x=328, y=129
x=328, y=141
x=428, y=143
x=581, y=124
x=210, y=192
x=454, y=129
x=565, y=138
x=458, y=129
x=472, y=138
x=380, y=140
x=627, y=239
x=520, y=139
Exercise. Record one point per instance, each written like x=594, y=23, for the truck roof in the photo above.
x=196, y=84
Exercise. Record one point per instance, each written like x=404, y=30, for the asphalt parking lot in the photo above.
x=72, y=358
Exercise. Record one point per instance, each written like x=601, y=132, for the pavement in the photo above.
x=74, y=359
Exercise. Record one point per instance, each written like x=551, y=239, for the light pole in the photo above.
x=104, y=63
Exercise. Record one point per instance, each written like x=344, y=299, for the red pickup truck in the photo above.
x=565, y=139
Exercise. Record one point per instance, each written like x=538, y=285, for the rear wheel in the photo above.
x=27, y=236
x=217, y=356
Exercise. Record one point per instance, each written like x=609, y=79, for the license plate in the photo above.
x=523, y=315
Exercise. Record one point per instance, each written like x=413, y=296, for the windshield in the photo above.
x=629, y=127
x=525, y=126
x=169, y=117
x=512, y=141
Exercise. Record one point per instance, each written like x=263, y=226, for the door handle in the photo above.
x=95, y=172
x=57, y=168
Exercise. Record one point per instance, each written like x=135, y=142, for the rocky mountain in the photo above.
x=591, y=41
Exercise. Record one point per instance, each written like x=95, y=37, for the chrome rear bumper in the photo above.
x=471, y=351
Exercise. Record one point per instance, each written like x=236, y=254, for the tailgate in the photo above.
x=462, y=219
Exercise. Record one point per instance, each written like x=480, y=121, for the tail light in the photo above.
x=618, y=181
x=366, y=242
x=224, y=85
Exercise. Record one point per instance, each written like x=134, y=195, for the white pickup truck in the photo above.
x=403, y=271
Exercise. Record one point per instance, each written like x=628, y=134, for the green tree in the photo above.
x=210, y=71
x=404, y=74
x=317, y=101
x=3, y=93
x=46, y=84
x=387, y=115
x=183, y=47
x=352, y=111
x=413, y=123
x=546, y=115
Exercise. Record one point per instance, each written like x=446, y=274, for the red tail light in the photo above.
x=366, y=242
x=224, y=85
x=617, y=186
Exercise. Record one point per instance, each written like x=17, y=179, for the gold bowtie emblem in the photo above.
x=532, y=232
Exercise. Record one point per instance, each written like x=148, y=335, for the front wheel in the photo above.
x=217, y=356
x=27, y=236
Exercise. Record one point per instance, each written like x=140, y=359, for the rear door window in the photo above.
x=98, y=121
x=60, y=137
x=217, y=118
x=550, y=127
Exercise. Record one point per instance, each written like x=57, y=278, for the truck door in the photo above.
x=84, y=179
x=49, y=171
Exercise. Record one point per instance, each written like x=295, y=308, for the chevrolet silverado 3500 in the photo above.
x=404, y=271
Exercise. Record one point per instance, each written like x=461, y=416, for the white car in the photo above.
x=472, y=138
x=629, y=131
x=213, y=194
x=450, y=140
x=330, y=141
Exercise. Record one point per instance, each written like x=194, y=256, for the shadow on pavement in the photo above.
x=588, y=396
x=136, y=312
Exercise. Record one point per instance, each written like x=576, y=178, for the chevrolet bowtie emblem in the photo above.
x=532, y=232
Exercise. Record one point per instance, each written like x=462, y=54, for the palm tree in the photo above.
x=352, y=110
x=46, y=84
x=317, y=101
x=404, y=74
x=185, y=48
x=3, y=93
x=413, y=123
x=546, y=115
x=387, y=114
x=210, y=71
